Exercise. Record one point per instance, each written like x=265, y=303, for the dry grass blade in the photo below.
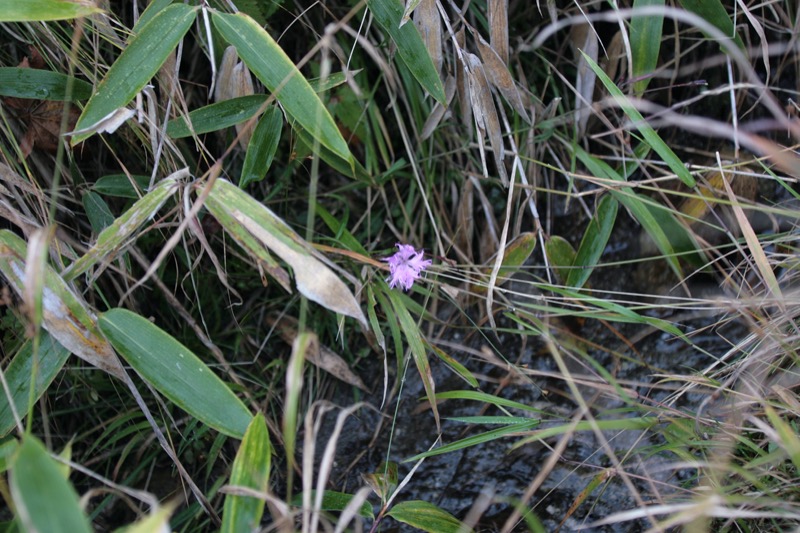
x=439, y=110
x=498, y=74
x=486, y=115
x=498, y=28
x=234, y=80
x=426, y=16
x=584, y=39
x=462, y=86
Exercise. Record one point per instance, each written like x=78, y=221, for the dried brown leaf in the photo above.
x=462, y=87
x=486, y=115
x=501, y=78
x=498, y=28
x=438, y=109
x=584, y=39
x=426, y=16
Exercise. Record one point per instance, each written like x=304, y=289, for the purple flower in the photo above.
x=405, y=266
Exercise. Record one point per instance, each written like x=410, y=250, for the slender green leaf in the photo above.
x=714, y=12
x=267, y=60
x=41, y=84
x=484, y=397
x=474, y=440
x=44, y=498
x=427, y=517
x=49, y=361
x=490, y=420
x=216, y=116
x=262, y=147
x=176, y=372
x=410, y=46
x=620, y=424
x=647, y=131
x=336, y=501
x=417, y=347
x=41, y=10
x=457, y=367
x=110, y=239
x=594, y=242
x=120, y=185
x=251, y=469
x=139, y=62
x=645, y=44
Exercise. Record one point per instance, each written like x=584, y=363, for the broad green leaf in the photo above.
x=154, y=7
x=645, y=44
x=41, y=84
x=49, y=361
x=416, y=345
x=352, y=168
x=8, y=450
x=314, y=279
x=515, y=255
x=251, y=469
x=176, y=372
x=427, y=517
x=44, y=498
x=647, y=131
x=270, y=64
x=111, y=238
x=262, y=147
x=66, y=316
x=41, y=10
x=561, y=255
x=474, y=440
x=714, y=12
x=97, y=211
x=594, y=242
x=216, y=116
x=410, y=46
x=336, y=501
x=120, y=185
x=136, y=65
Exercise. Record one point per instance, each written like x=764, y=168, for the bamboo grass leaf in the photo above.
x=176, y=372
x=40, y=84
x=594, y=242
x=136, y=65
x=44, y=498
x=645, y=44
x=427, y=517
x=270, y=64
x=251, y=469
x=410, y=46
x=41, y=10
x=262, y=147
x=215, y=117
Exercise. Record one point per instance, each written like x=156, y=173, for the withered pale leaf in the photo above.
x=497, y=72
x=65, y=316
x=438, y=109
x=108, y=124
x=486, y=114
x=498, y=28
x=584, y=38
x=426, y=16
x=462, y=86
x=411, y=5
x=234, y=80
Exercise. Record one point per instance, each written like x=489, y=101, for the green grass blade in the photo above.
x=44, y=498
x=594, y=242
x=474, y=440
x=416, y=345
x=561, y=255
x=251, y=469
x=136, y=65
x=267, y=60
x=336, y=501
x=41, y=84
x=41, y=10
x=51, y=359
x=216, y=116
x=262, y=147
x=621, y=424
x=122, y=185
x=427, y=516
x=410, y=46
x=176, y=372
x=484, y=397
x=111, y=238
x=647, y=131
x=714, y=12
x=97, y=211
x=645, y=44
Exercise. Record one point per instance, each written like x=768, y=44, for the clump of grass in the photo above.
x=201, y=209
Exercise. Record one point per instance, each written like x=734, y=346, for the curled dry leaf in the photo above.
x=500, y=77
x=498, y=28
x=486, y=114
x=584, y=39
x=234, y=80
x=462, y=87
x=426, y=16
